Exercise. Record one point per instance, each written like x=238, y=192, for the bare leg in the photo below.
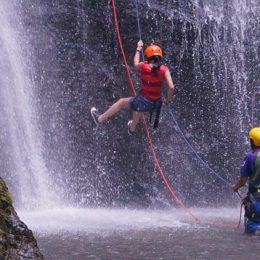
x=136, y=119
x=120, y=104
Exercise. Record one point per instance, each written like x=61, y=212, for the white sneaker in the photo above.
x=94, y=115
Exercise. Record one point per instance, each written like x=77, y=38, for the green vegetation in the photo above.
x=5, y=212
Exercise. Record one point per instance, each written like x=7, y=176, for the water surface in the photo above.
x=140, y=234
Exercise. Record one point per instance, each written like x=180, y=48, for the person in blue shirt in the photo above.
x=250, y=173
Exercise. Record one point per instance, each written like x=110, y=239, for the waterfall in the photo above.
x=20, y=133
x=70, y=60
x=231, y=30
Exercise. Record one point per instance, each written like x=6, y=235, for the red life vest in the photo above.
x=152, y=81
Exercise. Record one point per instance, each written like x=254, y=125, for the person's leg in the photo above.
x=135, y=120
x=120, y=104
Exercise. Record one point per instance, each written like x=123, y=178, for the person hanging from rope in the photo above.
x=150, y=99
x=250, y=172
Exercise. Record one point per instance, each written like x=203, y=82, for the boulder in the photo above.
x=16, y=239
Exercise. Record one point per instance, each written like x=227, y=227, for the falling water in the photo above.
x=231, y=28
x=206, y=45
x=26, y=167
x=78, y=64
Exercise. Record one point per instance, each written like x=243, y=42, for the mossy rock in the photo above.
x=5, y=212
x=5, y=196
x=16, y=239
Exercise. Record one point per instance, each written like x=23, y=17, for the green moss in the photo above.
x=5, y=207
x=2, y=232
x=2, y=183
x=6, y=197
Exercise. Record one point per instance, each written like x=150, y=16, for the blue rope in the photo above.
x=176, y=123
x=138, y=25
x=194, y=151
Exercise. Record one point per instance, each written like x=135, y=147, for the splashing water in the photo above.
x=26, y=165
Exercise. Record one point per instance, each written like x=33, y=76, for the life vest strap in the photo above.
x=156, y=108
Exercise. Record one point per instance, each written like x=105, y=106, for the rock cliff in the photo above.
x=16, y=239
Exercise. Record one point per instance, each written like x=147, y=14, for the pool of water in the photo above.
x=76, y=233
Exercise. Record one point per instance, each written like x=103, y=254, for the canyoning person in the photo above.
x=153, y=75
x=250, y=173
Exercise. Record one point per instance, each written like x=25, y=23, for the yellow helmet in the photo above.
x=254, y=135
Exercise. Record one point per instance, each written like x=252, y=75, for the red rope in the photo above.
x=166, y=182
x=122, y=49
x=155, y=157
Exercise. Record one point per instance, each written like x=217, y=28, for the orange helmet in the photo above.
x=153, y=50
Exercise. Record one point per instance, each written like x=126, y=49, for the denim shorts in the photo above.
x=141, y=104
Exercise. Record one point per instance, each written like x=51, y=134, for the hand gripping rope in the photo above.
x=152, y=148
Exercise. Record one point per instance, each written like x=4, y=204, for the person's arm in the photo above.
x=137, y=54
x=245, y=172
x=240, y=183
x=170, y=85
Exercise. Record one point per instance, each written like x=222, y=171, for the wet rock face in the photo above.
x=16, y=240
